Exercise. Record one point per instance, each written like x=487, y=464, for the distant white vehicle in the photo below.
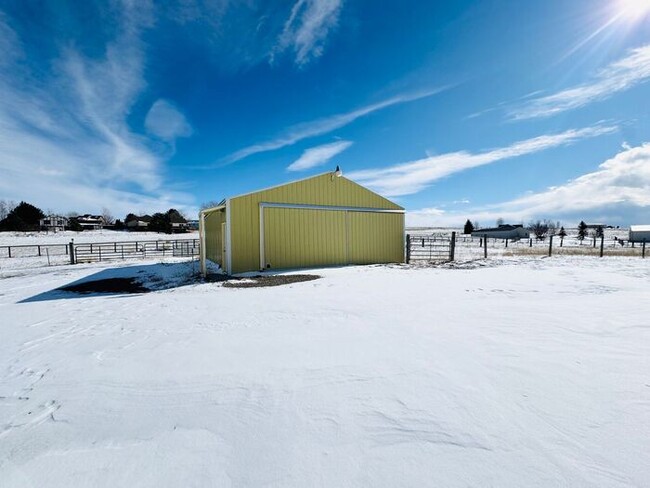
x=639, y=233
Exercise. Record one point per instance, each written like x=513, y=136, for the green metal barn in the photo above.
x=324, y=220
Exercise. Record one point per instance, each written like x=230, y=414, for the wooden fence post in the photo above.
x=71, y=251
x=550, y=245
x=452, y=246
x=506, y=243
x=530, y=242
x=9, y=249
x=602, y=245
x=484, y=246
x=408, y=248
x=39, y=251
x=643, y=249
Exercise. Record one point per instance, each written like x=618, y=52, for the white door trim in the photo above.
x=228, y=263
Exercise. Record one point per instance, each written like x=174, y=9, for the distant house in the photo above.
x=91, y=222
x=193, y=224
x=639, y=233
x=179, y=223
x=53, y=223
x=504, y=231
x=599, y=226
x=138, y=222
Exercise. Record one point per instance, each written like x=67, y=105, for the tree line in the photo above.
x=543, y=228
x=25, y=217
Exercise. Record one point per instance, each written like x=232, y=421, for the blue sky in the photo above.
x=464, y=109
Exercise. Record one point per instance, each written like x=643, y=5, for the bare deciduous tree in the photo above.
x=108, y=216
x=210, y=204
x=540, y=229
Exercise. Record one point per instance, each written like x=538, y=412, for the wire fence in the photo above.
x=72, y=253
x=448, y=246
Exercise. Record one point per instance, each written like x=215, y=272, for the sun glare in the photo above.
x=633, y=9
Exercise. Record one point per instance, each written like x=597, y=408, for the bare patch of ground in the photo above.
x=267, y=280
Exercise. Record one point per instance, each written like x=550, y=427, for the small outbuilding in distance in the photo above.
x=504, y=231
x=325, y=220
x=639, y=233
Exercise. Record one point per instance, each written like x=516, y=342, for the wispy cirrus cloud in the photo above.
x=619, y=76
x=412, y=177
x=64, y=131
x=621, y=182
x=319, y=155
x=323, y=126
x=307, y=28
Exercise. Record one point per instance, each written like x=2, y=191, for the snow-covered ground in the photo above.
x=88, y=236
x=53, y=250
x=522, y=372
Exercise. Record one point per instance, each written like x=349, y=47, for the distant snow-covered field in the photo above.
x=519, y=372
x=103, y=235
x=53, y=250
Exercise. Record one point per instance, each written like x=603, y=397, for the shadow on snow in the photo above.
x=126, y=280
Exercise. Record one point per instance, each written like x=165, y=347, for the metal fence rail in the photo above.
x=430, y=248
x=105, y=251
x=102, y=251
x=33, y=250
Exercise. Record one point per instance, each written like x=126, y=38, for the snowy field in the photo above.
x=468, y=247
x=509, y=373
x=88, y=236
x=53, y=251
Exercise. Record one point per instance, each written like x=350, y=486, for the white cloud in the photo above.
x=619, y=76
x=316, y=156
x=307, y=28
x=412, y=177
x=324, y=125
x=619, y=189
x=64, y=135
x=166, y=121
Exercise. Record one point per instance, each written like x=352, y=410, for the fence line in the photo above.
x=103, y=251
x=441, y=247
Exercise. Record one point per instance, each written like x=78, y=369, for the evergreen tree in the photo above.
x=23, y=218
x=74, y=225
x=582, y=230
x=469, y=227
x=160, y=223
x=562, y=233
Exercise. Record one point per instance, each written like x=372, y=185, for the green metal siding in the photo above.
x=306, y=249
x=375, y=237
x=214, y=244
x=297, y=238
